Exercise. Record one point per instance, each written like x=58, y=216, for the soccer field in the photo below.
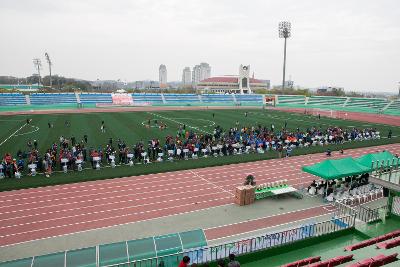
x=131, y=128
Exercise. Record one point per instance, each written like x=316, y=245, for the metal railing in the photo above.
x=362, y=213
x=244, y=246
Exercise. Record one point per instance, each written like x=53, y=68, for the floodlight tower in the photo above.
x=50, y=63
x=38, y=64
x=284, y=32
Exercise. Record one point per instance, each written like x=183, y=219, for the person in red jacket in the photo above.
x=184, y=262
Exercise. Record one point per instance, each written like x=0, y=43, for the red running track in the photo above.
x=261, y=223
x=32, y=214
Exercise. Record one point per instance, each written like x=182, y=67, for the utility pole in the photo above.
x=50, y=63
x=38, y=65
x=284, y=32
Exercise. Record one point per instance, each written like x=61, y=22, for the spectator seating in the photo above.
x=326, y=101
x=291, y=100
x=395, y=106
x=53, y=98
x=389, y=244
x=93, y=98
x=333, y=261
x=251, y=99
x=10, y=99
x=372, y=241
x=181, y=98
x=147, y=98
x=303, y=262
x=375, y=103
x=379, y=260
x=210, y=98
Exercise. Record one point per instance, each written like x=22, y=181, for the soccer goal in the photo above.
x=325, y=113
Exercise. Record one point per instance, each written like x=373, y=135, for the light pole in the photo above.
x=50, y=63
x=284, y=32
x=38, y=64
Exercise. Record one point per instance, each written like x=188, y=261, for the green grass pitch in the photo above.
x=129, y=126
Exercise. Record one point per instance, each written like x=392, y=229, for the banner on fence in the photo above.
x=200, y=255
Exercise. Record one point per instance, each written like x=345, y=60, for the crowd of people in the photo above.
x=186, y=143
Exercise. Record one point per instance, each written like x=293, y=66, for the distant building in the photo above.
x=201, y=72
x=237, y=84
x=330, y=90
x=186, y=76
x=162, y=72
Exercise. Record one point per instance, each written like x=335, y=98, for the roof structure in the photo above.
x=227, y=79
x=336, y=168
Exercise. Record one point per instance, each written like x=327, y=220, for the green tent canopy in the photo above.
x=385, y=156
x=336, y=168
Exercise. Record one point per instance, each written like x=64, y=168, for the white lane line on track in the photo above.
x=128, y=187
x=265, y=217
x=109, y=218
x=19, y=129
x=304, y=182
x=278, y=225
x=225, y=169
x=111, y=210
x=115, y=225
x=208, y=181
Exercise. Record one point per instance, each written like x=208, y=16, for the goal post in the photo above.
x=330, y=113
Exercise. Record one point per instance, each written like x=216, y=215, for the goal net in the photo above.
x=324, y=113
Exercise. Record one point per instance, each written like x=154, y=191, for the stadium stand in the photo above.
x=93, y=98
x=395, y=106
x=251, y=99
x=181, y=98
x=147, y=98
x=10, y=99
x=291, y=100
x=389, y=244
x=53, y=98
x=303, y=262
x=209, y=98
x=326, y=101
x=375, y=103
x=379, y=260
x=333, y=262
x=372, y=241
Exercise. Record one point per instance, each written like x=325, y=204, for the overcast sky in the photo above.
x=349, y=43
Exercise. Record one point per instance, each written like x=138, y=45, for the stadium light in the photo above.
x=50, y=63
x=284, y=32
x=38, y=65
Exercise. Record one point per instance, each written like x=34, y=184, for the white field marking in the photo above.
x=224, y=168
x=111, y=210
x=121, y=224
x=33, y=131
x=208, y=181
x=308, y=121
x=109, y=218
x=177, y=122
x=265, y=217
x=266, y=229
x=13, y=134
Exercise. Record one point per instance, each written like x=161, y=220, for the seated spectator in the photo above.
x=220, y=263
x=232, y=261
x=184, y=262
